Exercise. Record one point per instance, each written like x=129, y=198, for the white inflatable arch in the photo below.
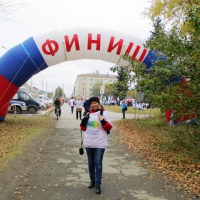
x=41, y=51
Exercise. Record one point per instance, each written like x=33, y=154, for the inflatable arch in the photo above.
x=39, y=52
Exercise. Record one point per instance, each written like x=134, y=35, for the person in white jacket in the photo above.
x=79, y=106
x=96, y=124
x=72, y=102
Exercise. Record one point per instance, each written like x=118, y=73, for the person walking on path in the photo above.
x=86, y=106
x=124, y=108
x=79, y=105
x=72, y=101
x=95, y=140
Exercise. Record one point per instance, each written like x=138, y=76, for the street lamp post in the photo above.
x=63, y=90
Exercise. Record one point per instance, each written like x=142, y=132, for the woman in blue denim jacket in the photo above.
x=124, y=108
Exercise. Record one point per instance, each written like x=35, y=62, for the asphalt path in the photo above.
x=52, y=169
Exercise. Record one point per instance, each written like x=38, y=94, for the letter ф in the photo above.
x=50, y=44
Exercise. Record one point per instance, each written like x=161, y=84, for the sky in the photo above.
x=38, y=16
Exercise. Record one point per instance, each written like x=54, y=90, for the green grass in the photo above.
x=151, y=111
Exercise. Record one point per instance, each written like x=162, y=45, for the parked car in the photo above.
x=32, y=105
x=42, y=103
x=17, y=107
x=45, y=99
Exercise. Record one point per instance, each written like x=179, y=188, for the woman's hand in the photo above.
x=100, y=117
x=102, y=120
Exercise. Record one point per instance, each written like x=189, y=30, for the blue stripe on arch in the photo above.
x=21, y=62
x=35, y=54
x=150, y=59
x=29, y=56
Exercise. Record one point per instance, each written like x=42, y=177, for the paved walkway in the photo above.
x=59, y=172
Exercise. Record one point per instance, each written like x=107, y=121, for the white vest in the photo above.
x=95, y=136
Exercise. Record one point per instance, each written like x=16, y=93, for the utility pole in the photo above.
x=46, y=87
x=42, y=85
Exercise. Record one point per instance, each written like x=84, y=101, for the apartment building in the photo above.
x=85, y=82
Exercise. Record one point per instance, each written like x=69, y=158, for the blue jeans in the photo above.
x=72, y=109
x=123, y=113
x=95, y=158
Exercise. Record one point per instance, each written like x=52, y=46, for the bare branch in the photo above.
x=8, y=8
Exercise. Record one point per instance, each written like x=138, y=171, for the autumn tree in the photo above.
x=96, y=88
x=175, y=13
x=109, y=90
x=49, y=95
x=124, y=80
x=175, y=41
x=131, y=94
x=59, y=92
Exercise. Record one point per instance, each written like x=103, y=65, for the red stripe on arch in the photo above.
x=144, y=52
x=7, y=91
x=136, y=51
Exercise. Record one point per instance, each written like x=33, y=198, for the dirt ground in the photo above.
x=51, y=168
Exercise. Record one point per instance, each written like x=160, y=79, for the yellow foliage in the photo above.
x=187, y=27
x=156, y=8
x=173, y=12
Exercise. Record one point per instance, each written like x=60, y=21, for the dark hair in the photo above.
x=96, y=99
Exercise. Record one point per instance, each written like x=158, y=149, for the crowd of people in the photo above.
x=141, y=105
x=81, y=107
